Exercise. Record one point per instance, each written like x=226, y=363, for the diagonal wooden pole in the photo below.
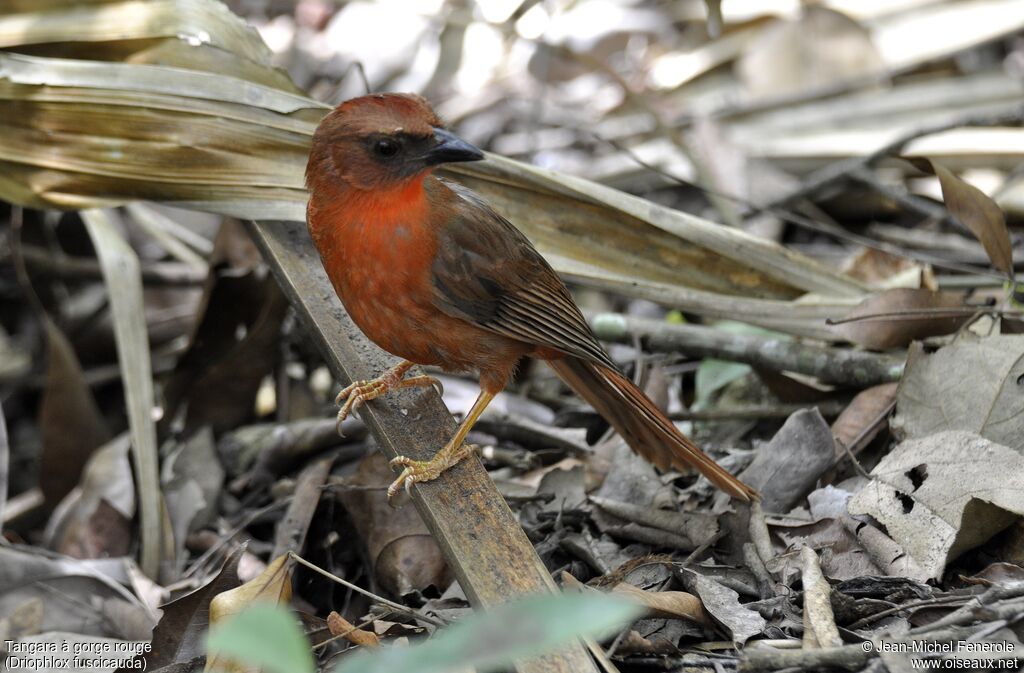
x=481, y=539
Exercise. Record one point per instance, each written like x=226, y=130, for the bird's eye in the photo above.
x=386, y=147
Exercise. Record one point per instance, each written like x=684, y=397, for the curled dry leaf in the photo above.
x=340, y=626
x=977, y=211
x=274, y=585
x=894, y=318
x=95, y=520
x=404, y=555
x=819, y=623
x=860, y=420
x=668, y=604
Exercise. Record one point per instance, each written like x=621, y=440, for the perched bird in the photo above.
x=430, y=273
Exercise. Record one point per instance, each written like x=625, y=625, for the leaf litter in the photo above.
x=898, y=517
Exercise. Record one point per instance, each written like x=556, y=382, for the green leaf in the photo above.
x=487, y=641
x=264, y=635
x=713, y=375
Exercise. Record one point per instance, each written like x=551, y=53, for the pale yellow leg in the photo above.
x=450, y=454
x=360, y=392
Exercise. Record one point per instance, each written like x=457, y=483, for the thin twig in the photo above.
x=397, y=607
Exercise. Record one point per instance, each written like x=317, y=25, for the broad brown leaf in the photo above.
x=894, y=318
x=977, y=211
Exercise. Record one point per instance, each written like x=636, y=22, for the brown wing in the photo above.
x=487, y=272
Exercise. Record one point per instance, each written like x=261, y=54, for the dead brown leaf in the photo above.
x=404, y=555
x=70, y=420
x=977, y=211
x=894, y=318
x=668, y=604
x=179, y=637
x=863, y=418
x=236, y=341
x=340, y=626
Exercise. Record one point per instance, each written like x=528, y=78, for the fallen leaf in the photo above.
x=972, y=384
x=69, y=419
x=842, y=556
x=97, y=523
x=123, y=281
x=77, y=595
x=273, y=586
x=894, y=318
x=724, y=606
x=863, y=417
x=178, y=637
x=785, y=469
x=404, y=555
x=340, y=626
x=882, y=270
x=668, y=604
x=235, y=344
x=698, y=527
x=977, y=211
x=944, y=494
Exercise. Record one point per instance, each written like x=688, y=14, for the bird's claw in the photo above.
x=417, y=471
x=355, y=395
x=359, y=393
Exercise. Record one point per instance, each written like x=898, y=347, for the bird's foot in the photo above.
x=417, y=471
x=358, y=393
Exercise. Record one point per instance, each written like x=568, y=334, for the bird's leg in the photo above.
x=359, y=392
x=450, y=454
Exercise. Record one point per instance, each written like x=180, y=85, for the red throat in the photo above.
x=403, y=203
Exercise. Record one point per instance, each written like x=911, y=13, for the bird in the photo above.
x=433, y=275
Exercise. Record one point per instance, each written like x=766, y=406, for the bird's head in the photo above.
x=382, y=142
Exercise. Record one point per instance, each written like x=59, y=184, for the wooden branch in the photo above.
x=481, y=539
x=842, y=366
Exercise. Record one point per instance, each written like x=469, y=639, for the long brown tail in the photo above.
x=644, y=427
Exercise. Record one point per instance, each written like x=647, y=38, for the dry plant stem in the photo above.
x=765, y=583
x=915, y=204
x=290, y=535
x=827, y=408
x=819, y=623
x=1001, y=601
x=871, y=619
x=829, y=365
x=4, y=464
x=68, y=266
x=759, y=534
x=229, y=536
x=840, y=170
x=397, y=607
x=847, y=657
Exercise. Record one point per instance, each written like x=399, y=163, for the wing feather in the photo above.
x=486, y=271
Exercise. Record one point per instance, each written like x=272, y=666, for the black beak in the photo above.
x=448, y=148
